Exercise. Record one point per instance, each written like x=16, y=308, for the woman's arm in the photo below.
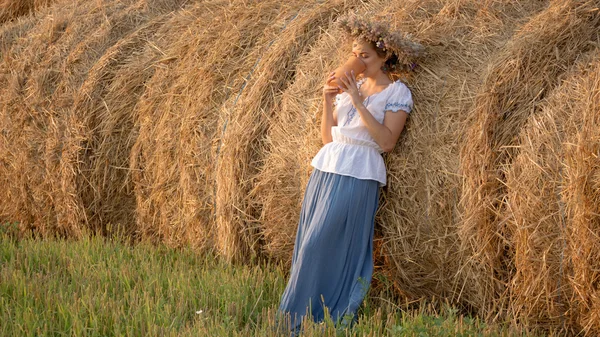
x=385, y=135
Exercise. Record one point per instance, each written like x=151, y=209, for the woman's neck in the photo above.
x=379, y=80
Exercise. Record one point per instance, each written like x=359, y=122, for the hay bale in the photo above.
x=538, y=288
x=416, y=223
x=173, y=159
x=242, y=144
x=104, y=106
x=518, y=79
x=47, y=72
x=582, y=193
x=42, y=190
x=12, y=9
x=553, y=210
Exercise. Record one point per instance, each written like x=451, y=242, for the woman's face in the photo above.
x=369, y=56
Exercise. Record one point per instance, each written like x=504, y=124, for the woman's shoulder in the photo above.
x=399, y=97
x=400, y=86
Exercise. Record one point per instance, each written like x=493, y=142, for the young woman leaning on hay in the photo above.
x=332, y=262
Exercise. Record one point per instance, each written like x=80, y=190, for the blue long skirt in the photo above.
x=332, y=262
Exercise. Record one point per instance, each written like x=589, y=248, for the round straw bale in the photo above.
x=419, y=214
x=173, y=159
x=46, y=84
x=104, y=106
x=540, y=292
x=552, y=209
x=42, y=187
x=582, y=193
x=517, y=80
x=238, y=236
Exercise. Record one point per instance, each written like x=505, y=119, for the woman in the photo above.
x=332, y=262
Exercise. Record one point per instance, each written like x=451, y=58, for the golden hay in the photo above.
x=69, y=106
x=237, y=234
x=553, y=208
x=419, y=215
x=194, y=123
x=581, y=192
x=173, y=159
x=103, y=106
x=12, y=9
x=517, y=81
x=539, y=289
x=42, y=192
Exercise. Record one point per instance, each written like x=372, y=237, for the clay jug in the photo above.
x=353, y=63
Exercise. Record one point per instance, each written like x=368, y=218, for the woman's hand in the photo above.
x=351, y=87
x=329, y=91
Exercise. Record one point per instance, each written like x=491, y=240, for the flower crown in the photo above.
x=396, y=43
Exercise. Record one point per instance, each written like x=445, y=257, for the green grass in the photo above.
x=101, y=287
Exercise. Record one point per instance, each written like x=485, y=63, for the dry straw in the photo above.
x=540, y=290
x=103, y=105
x=127, y=113
x=518, y=79
x=68, y=91
x=173, y=159
x=242, y=144
x=44, y=189
x=581, y=192
x=13, y=9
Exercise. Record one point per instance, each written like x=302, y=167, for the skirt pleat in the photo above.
x=332, y=262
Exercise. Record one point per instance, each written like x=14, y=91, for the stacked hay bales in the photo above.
x=180, y=116
x=518, y=80
x=54, y=96
x=103, y=105
x=553, y=207
x=42, y=186
x=418, y=218
x=194, y=123
x=242, y=147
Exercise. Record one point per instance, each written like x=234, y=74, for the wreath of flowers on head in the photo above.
x=392, y=43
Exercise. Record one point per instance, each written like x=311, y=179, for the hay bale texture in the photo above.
x=552, y=188
x=175, y=159
x=241, y=151
x=517, y=81
x=194, y=123
x=537, y=200
x=581, y=190
x=13, y=9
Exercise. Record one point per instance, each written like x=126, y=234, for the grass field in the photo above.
x=103, y=287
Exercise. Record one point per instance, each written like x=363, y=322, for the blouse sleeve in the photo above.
x=400, y=99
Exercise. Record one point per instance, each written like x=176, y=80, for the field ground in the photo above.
x=103, y=287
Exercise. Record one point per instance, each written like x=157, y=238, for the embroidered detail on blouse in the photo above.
x=397, y=106
x=353, y=111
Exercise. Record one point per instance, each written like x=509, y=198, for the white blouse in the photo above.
x=353, y=152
